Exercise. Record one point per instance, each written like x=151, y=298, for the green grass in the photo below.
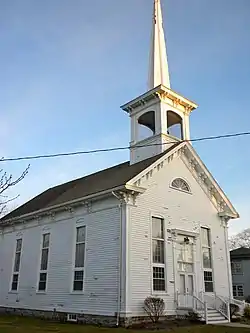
x=31, y=325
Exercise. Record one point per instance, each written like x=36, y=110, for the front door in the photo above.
x=185, y=266
x=186, y=290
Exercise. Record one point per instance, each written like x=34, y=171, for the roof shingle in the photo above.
x=241, y=252
x=97, y=182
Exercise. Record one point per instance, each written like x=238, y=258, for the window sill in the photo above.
x=13, y=292
x=180, y=190
x=77, y=292
x=156, y=293
x=41, y=292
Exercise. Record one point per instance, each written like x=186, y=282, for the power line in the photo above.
x=36, y=157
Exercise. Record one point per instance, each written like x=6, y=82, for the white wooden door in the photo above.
x=186, y=290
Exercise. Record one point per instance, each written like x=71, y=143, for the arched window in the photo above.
x=146, y=124
x=180, y=184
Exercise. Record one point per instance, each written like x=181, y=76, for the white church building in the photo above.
x=156, y=225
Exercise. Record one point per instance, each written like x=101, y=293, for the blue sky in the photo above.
x=66, y=67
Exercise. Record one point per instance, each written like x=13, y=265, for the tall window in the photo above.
x=16, y=268
x=43, y=274
x=158, y=246
x=236, y=267
x=207, y=259
x=79, y=259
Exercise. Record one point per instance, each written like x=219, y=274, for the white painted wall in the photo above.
x=102, y=255
x=180, y=210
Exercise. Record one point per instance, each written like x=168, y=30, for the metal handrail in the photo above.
x=224, y=309
x=203, y=308
x=219, y=304
x=239, y=303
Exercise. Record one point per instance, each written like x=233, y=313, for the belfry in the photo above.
x=159, y=117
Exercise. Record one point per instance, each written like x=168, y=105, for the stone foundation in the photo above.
x=107, y=321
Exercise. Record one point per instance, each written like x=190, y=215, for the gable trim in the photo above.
x=207, y=182
x=205, y=176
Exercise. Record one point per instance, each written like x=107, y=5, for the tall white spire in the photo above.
x=158, y=66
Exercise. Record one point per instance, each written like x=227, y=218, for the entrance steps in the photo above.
x=214, y=317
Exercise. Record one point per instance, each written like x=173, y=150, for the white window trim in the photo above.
x=13, y=266
x=178, y=189
x=72, y=317
x=234, y=271
x=78, y=224
x=238, y=285
x=158, y=292
x=40, y=261
x=211, y=253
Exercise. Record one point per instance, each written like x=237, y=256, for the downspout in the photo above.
x=120, y=262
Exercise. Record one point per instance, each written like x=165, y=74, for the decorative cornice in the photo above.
x=59, y=208
x=163, y=94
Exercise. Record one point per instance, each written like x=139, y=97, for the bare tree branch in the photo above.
x=6, y=182
x=242, y=239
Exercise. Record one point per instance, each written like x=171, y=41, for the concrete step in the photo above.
x=217, y=322
x=214, y=313
x=210, y=315
x=217, y=318
x=214, y=317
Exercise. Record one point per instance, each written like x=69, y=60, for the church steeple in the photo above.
x=158, y=63
x=160, y=117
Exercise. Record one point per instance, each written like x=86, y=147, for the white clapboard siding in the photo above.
x=102, y=255
x=182, y=211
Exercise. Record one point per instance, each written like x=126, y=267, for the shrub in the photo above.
x=233, y=310
x=248, y=299
x=193, y=316
x=154, y=307
x=247, y=312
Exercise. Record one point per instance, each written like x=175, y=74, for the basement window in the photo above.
x=72, y=317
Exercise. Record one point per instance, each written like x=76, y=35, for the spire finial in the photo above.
x=158, y=67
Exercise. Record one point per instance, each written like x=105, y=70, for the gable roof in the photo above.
x=200, y=172
x=103, y=180
x=240, y=253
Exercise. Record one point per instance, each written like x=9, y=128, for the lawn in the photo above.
x=30, y=325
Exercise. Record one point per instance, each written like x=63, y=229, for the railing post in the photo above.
x=228, y=312
x=205, y=309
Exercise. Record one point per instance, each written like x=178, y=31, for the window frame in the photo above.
x=179, y=189
x=158, y=264
x=14, y=271
x=209, y=248
x=237, y=285
x=183, y=248
x=43, y=271
x=234, y=269
x=78, y=269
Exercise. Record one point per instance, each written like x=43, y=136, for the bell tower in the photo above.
x=160, y=117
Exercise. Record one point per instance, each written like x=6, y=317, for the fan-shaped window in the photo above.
x=180, y=184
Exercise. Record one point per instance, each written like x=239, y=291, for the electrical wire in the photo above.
x=35, y=157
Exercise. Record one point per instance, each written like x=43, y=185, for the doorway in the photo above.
x=186, y=289
x=185, y=276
